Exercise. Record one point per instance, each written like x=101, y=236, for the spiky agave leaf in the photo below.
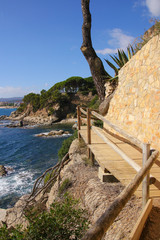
x=129, y=53
x=120, y=56
x=124, y=57
x=112, y=66
x=116, y=60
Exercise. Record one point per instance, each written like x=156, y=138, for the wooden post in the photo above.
x=145, y=183
x=89, y=130
x=79, y=121
x=92, y=159
x=138, y=228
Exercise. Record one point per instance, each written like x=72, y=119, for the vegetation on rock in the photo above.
x=66, y=145
x=153, y=31
x=94, y=103
x=64, y=186
x=64, y=220
x=58, y=99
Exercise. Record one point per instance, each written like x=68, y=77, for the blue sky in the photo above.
x=40, y=40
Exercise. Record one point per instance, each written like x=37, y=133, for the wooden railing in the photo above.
x=142, y=175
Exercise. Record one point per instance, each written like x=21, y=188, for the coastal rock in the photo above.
x=3, y=117
x=94, y=195
x=104, y=106
x=2, y=216
x=15, y=216
x=16, y=124
x=3, y=171
x=52, y=133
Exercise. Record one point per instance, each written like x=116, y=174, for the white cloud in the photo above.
x=9, y=91
x=106, y=51
x=153, y=7
x=119, y=40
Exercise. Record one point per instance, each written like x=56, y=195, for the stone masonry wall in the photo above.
x=135, y=106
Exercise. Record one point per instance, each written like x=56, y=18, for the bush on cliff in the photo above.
x=66, y=145
x=65, y=220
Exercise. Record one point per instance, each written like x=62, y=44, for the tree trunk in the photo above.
x=96, y=66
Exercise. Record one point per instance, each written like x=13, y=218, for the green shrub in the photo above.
x=65, y=220
x=21, y=107
x=33, y=99
x=145, y=38
x=88, y=162
x=48, y=176
x=94, y=103
x=98, y=123
x=51, y=111
x=66, y=145
x=11, y=234
x=64, y=186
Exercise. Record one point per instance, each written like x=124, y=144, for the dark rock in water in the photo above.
x=17, y=124
x=3, y=117
x=3, y=171
x=21, y=123
x=13, y=125
x=8, y=169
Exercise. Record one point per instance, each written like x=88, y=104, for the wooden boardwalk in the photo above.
x=113, y=162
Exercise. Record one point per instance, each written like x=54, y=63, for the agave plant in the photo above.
x=120, y=59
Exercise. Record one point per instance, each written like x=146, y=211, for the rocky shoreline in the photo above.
x=94, y=196
x=34, y=121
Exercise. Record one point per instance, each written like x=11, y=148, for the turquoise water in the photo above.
x=28, y=155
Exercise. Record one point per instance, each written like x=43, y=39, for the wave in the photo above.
x=45, y=134
x=20, y=182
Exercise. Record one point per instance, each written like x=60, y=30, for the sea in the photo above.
x=27, y=157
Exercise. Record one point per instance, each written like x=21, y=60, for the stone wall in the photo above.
x=135, y=106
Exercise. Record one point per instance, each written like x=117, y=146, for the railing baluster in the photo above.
x=89, y=130
x=145, y=183
x=88, y=126
x=79, y=121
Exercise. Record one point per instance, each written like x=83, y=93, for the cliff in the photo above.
x=85, y=185
x=58, y=103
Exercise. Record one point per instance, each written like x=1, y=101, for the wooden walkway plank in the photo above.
x=108, y=159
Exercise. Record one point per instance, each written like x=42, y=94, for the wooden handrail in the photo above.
x=84, y=120
x=145, y=183
x=124, y=156
x=105, y=221
x=79, y=121
x=117, y=150
x=132, y=139
x=83, y=111
x=122, y=132
x=88, y=126
x=138, y=228
x=101, y=226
